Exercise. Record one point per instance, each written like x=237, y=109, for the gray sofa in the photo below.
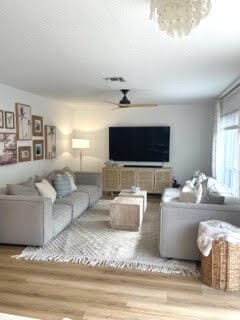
x=179, y=223
x=34, y=220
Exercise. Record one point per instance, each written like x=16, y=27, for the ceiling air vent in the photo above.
x=115, y=79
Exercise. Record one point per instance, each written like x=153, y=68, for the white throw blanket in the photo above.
x=215, y=230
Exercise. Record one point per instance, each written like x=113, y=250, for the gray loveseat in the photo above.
x=179, y=223
x=34, y=220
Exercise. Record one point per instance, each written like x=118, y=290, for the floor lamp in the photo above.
x=80, y=144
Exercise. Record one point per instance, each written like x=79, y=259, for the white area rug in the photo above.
x=91, y=241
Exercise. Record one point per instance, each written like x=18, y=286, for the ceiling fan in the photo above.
x=126, y=103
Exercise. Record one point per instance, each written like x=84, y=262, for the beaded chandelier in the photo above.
x=179, y=17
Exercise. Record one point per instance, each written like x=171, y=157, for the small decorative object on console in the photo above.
x=109, y=163
x=135, y=189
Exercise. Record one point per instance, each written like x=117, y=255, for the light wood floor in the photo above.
x=53, y=291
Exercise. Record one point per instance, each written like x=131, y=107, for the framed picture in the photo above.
x=1, y=119
x=8, y=148
x=24, y=122
x=38, y=149
x=37, y=126
x=9, y=120
x=50, y=142
x=24, y=154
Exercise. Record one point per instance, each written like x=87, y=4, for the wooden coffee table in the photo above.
x=126, y=213
x=139, y=194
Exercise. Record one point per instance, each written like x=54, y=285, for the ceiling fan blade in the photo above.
x=143, y=105
x=114, y=103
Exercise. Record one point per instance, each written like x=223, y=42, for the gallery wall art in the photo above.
x=38, y=149
x=9, y=120
x=50, y=142
x=24, y=122
x=37, y=126
x=1, y=119
x=25, y=126
x=8, y=148
x=24, y=154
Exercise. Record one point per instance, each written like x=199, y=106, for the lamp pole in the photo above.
x=80, y=144
x=81, y=159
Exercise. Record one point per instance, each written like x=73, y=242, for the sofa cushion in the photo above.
x=62, y=217
x=210, y=195
x=79, y=201
x=26, y=188
x=62, y=185
x=18, y=189
x=170, y=194
x=94, y=192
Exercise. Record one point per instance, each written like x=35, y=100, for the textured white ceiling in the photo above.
x=64, y=49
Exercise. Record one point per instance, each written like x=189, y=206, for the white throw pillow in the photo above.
x=191, y=193
x=46, y=190
x=73, y=185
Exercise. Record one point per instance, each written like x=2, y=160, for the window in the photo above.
x=230, y=162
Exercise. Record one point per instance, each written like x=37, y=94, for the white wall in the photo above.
x=54, y=113
x=191, y=133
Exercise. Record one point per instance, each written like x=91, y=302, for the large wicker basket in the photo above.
x=221, y=269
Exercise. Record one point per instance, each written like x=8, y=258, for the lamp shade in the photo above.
x=80, y=144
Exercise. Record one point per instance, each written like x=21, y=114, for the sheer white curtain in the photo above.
x=216, y=148
x=228, y=156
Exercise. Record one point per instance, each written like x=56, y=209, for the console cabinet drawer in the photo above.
x=145, y=179
x=127, y=178
x=111, y=179
x=163, y=180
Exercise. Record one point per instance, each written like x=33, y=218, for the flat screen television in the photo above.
x=146, y=144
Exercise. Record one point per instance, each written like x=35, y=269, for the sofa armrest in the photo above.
x=25, y=220
x=179, y=226
x=89, y=178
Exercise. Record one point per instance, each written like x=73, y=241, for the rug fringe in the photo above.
x=98, y=262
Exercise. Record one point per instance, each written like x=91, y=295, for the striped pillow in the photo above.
x=62, y=185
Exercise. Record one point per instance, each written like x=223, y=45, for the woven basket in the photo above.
x=221, y=269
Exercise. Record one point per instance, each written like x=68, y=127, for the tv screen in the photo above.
x=146, y=144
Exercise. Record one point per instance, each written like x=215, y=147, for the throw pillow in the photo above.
x=50, y=177
x=209, y=193
x=62, y=185
x=73, y=185
x=29, y=183
x=198, y=177
x=46, y=190
x=190, y=193
x=67, y=169
x=21, y=190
